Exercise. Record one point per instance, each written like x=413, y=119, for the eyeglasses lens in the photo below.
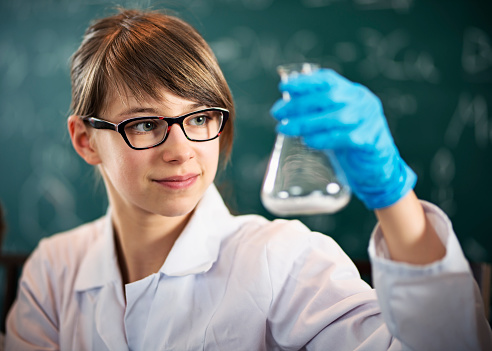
x=200, y=126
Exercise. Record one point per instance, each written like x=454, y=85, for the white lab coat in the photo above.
x=244, y=283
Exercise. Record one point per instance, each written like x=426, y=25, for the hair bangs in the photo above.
x=143, y=59
x=137, y=54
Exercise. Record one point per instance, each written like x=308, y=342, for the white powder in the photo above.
x=305, y=205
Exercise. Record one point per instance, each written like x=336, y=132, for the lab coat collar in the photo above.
x=99, y=266
x=195, y=250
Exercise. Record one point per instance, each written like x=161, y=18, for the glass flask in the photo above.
x=300, y=180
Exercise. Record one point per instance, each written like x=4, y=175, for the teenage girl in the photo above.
x=169, y=268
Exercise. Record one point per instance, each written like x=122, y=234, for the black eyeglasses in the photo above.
x=142, y=133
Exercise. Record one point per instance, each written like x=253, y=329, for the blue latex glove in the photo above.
x=331, y=113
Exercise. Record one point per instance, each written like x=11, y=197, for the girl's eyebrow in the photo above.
x=154, y=112
x=137, y=109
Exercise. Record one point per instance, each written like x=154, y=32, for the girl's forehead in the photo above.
x=165, y=103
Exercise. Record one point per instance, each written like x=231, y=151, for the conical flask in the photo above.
x=300, y=180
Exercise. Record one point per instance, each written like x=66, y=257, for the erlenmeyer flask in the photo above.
x=300, y=180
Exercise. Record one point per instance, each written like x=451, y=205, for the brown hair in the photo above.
x=141, y=52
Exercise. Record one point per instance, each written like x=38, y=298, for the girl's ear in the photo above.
x=81, y=140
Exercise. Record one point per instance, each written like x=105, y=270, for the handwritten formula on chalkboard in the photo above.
x=430, y=62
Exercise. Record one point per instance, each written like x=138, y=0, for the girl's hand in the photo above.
x=331, y=113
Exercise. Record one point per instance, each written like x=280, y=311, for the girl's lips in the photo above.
x=178, y=182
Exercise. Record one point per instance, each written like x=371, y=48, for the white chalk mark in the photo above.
x=477, y=51
x=473, y=112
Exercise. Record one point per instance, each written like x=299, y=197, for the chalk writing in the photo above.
x=477, y=51
x=442, y=172
x=471, y=112
x=392, y=57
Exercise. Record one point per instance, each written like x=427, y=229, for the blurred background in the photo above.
x=429, y=61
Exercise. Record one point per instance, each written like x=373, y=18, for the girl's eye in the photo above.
x=144, y=126
x=198, y=120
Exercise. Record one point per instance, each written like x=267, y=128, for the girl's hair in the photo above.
x=141, y=52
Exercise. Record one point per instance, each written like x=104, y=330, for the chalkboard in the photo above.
x=429, y=61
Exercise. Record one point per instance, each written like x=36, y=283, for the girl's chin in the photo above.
x=177, y=209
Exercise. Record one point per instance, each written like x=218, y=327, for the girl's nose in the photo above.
x=177, y=148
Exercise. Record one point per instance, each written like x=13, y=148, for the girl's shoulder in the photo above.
x=65, y=251
x=283, y=238
x=74, y=240
x=258, y=228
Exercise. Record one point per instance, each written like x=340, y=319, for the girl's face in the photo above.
x=169, y=179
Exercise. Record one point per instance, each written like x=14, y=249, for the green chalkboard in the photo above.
x=429, y=61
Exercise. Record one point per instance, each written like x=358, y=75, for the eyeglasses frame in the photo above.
x=98, y=123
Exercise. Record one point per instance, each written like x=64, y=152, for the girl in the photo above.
x=169, y=268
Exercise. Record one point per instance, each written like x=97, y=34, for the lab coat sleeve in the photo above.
x=432, y=307
x=32, y=323
x=319, y=301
